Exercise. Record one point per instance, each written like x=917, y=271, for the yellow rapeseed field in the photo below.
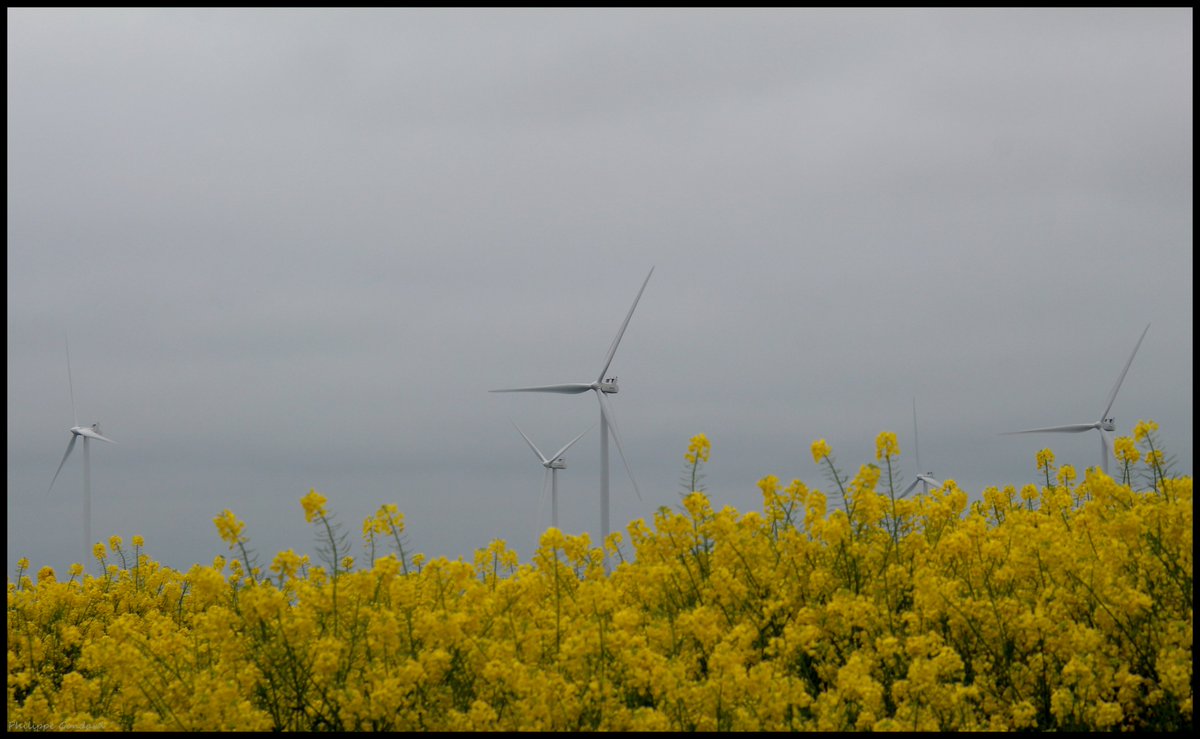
x=1063, y=606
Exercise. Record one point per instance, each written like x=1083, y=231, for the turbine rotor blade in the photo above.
x=92, y=434
x=567, y=389
x=911, y=485
x=1070, y=428
x=929, y=480
x=70, y=446
x=916, y=442
x=560, y=452
x=612, y=350
x=612, y=427
x=71, y=383
x=1113, y=395
x=541, y=457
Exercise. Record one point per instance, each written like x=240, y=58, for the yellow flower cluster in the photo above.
x=1142, y=429
x=1126, y=450
x=886, y=445
x=698, y=449
x=314, y=505
x=1066, y=607
x=1045, y=459
x=229, y=528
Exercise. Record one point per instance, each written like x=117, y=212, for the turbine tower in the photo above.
x=87, y=433
x=553, y=465
x=923, y=477
x=601, y=386
x=1106, y=424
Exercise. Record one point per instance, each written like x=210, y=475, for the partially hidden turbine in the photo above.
x=552, y=464
x=87, y=433
x=923, y=477
x=1106, y=425
x=601, y=386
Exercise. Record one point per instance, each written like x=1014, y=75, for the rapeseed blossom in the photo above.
x=229, y=528
x=698, y=449
x=886, y=445
x=1143, y=429
x=314, y=505
x=1045, y=459
x=1125, y=450
x=820, y=450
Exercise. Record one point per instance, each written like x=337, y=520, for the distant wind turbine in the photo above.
x=552, y=464
x=601, y=386
x=924, y=477
x=87, y=433
x=1106, y=424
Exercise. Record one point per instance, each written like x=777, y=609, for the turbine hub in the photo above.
x=609, y=386
x=557, y=464
x=1108, y=424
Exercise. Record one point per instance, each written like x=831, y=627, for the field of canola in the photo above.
x=1061, y=606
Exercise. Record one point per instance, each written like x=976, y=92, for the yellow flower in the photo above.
x=99, y=552
x=314, y=505
x=866, y=479
x=698, y=449
x=230, y=528
x=1045, y=459
x=347, y=563
x=76, y=570
x=1143, y=429
x=115, y=543
x=1125, y=449
x=23, y=563
x=46, y=574
x=886, y=445
x=1066, y=475
x=388, y=519
x=769, y=486
x=286, y=563
x=139, y=541
x=820, y=450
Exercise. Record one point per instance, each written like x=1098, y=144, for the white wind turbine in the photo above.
x=923, y=477
x=87, y=433
x=1106, y=424
x=552, y=464
x=601, y=386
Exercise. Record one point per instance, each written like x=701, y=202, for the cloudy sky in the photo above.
x=294, y=249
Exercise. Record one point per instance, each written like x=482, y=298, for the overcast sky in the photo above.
x=294, y=249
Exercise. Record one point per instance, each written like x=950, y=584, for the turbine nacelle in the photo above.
x=608, y=386
x=1109, y=424
x=556, y=464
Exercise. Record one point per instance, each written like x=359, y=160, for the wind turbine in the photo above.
x=601, y=386
x=553, y=464
x=1106, y=424
x=924, y=477
x=87, y=433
